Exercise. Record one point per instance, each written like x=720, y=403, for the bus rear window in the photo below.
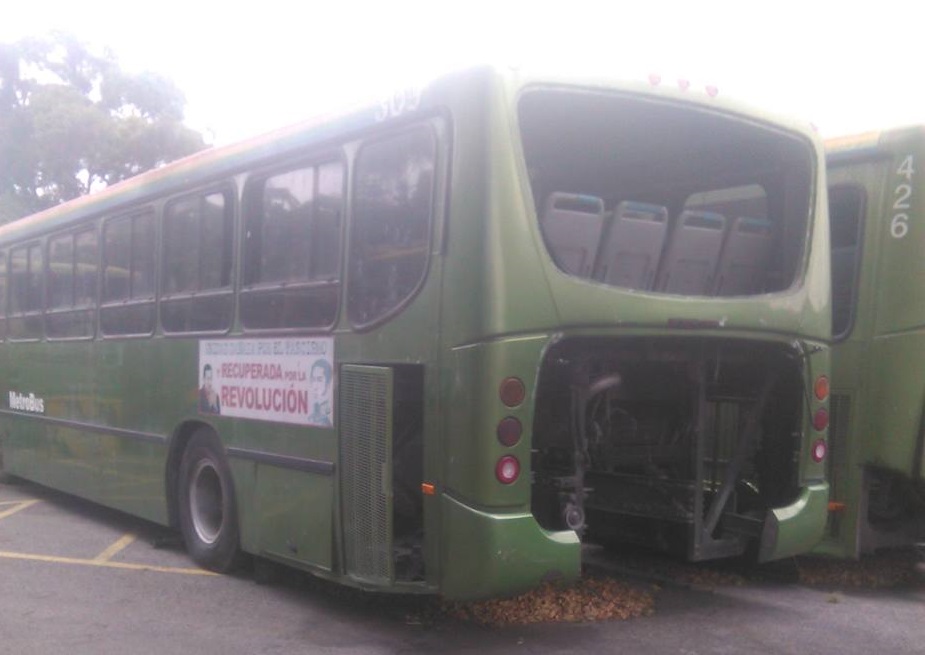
x=664, y=197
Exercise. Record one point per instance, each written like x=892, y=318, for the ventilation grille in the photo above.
x=366, y=480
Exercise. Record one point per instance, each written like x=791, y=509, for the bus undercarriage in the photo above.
x=677, y=444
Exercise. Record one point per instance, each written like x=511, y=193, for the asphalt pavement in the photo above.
x=76, y=578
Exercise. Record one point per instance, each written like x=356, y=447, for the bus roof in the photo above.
x=873, y=141
x=215, y=164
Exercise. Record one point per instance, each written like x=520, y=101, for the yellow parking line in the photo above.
x=111, y=565
x=110, y=552
x=21, y=505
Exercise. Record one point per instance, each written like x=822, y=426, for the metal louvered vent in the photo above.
x=366, y=471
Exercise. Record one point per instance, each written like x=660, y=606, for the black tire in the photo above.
x=208, y=512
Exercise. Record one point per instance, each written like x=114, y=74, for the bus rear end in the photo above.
x=669, y=329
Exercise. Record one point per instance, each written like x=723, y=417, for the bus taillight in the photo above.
x=822, y=387
x=819, y=450
x=507, y=469
x=512, y=391
x=509, y=431
x=821, y=419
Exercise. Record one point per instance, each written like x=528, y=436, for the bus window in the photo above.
x=25, y=317
x=198, y=243
x=846, y=204
x=743, y=266
x=2, y=295
x=393, y=203
x=292, y=241
x=620, y=149
x=128, y=275
x=72, y=271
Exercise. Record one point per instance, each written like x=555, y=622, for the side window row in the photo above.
x=290, y=273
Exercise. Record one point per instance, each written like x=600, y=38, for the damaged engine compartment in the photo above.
x=678, y=444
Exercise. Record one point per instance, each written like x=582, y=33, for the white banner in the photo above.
x=283, y=380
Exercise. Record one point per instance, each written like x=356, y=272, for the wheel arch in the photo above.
x=177, y=445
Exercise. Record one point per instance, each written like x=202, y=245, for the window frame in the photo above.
x=89, y=227
x=28, y=245
x=435, y=126
x=4, y=291
x=129, y=214
x=253, y=185
x=862, y=208
x=230, y=191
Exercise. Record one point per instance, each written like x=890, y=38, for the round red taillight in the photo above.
x=507, y=469
x=821, y=419
x=512, y=392
x=822, y=387
x=819, y=450
x=509, y=431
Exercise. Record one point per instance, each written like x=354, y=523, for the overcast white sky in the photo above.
x=250, y=67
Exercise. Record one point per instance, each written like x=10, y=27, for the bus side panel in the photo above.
x=295, y=519
x=878, y=382
x=897, y=377
x=24, y=447
x=60, y=454
x=283, y=512
x=851, y=378
x=895, y=401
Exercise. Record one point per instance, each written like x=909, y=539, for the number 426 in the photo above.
x=899, y=226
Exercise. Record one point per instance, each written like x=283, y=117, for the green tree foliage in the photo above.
x=72, y=121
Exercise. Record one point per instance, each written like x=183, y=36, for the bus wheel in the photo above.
x=208, y=514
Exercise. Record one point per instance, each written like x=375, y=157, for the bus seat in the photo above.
x=690, y=263
x=633, y=246
x=743, y=265
x=572, y=226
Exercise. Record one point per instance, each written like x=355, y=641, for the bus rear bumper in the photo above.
x=798, y=527
x=486, y=554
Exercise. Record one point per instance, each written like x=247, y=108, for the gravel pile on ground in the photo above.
x=590, y=599
x=893, y=568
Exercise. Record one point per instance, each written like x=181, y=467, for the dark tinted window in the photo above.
x=128, y=275
x=393, y=204
x=25, y=318
x=846, y=210
x=3, y=287
x=198, y=247
x=292, y=248
x=72, y=275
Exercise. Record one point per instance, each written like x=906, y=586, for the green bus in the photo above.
x=437, y=344
x=878, y=325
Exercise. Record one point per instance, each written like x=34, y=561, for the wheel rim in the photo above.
x=206, y=501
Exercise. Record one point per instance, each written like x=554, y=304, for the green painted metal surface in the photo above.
x=490, y=305
x=876, y=367
x=516, y=553
x=795, y=529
